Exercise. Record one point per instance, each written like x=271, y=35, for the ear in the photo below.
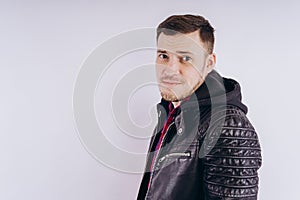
x=210, y=62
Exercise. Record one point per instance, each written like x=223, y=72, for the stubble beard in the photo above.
x=173, y=96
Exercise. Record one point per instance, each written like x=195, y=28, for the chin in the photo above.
x=169, y=96
x=172, y=97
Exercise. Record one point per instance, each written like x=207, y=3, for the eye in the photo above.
x=186, y=58
x=163, y=56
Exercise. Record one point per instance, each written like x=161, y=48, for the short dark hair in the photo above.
x=188, y=24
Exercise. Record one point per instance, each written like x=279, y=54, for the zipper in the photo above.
x=150, y=180
x=177, y=154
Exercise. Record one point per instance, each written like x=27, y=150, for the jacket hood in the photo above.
x=215, y=91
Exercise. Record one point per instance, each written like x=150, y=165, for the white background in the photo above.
x=43, y=45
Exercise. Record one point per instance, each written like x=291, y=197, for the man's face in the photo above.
x=182, y=64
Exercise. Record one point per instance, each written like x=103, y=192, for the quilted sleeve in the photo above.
x=231, y=166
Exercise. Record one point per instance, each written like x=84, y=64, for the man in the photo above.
x=203, y=146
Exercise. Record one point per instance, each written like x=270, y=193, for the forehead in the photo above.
x=190, y=42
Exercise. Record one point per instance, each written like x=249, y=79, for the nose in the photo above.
x=173, y=64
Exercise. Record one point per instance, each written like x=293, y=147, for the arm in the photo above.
x=230, y=168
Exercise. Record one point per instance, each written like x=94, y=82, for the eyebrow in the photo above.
x=178, y=52
x=161, y=51
x=184, y=52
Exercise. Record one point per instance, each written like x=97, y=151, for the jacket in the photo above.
x=210, y=150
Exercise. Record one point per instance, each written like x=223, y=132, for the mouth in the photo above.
x=170, y=82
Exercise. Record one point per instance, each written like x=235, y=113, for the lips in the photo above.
x=170, y=82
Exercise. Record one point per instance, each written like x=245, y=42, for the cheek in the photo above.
x=158, y=70
x=191, y=76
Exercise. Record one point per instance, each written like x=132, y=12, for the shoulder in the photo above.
x=236, y=118
x=233, y=137
x=229, y=127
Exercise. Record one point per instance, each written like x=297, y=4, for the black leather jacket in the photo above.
x=210, y=151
